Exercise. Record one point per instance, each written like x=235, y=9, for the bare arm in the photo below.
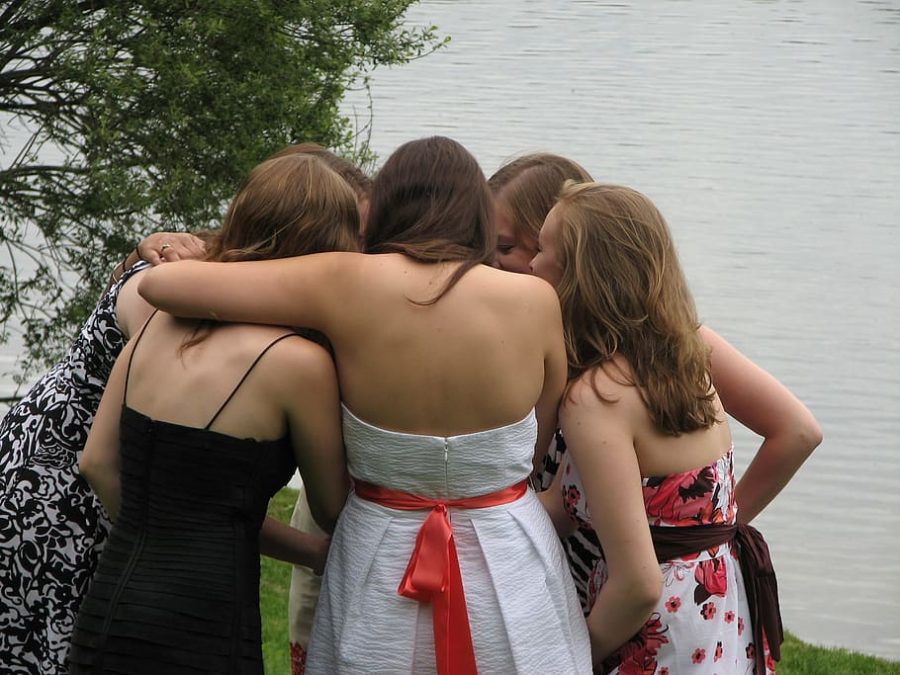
x=131, y=309
x=283, y=542
x=600, y=441
x=765, y=406
x=552, y=499
x=162, y=247
x=306, y=291
x=555, y=374
x=99, y=463
x=157, y=248
x=313, y=409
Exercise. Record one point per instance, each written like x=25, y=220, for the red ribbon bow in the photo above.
x=433, y=575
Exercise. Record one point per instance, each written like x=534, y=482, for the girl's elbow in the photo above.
x=813, y=435
x=646, y=589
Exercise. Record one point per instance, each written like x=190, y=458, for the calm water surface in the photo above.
x=769, y=135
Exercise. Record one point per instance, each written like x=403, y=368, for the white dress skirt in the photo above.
x=522, y=608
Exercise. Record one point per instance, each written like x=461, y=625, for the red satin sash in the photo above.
x=433, y=575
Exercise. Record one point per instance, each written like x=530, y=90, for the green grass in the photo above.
x=797, y=658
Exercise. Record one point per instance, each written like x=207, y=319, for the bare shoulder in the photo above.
x=526, y=291
x=298, y=355
x=605, y=391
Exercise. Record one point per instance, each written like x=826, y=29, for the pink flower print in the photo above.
x=672, y=604
x=679, y=499
x=770, y=663
x=718, y=654
x=729, y=616
x=572, y=496
x=708, y=611
x=712, y=579
x=638, y=655
x=740, y=625
x=298, y=659
x=751, y=651
x=663, y=671
x=699, y=655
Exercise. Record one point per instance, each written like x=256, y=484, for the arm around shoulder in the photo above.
x=308, y=290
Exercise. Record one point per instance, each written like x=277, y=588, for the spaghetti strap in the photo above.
x=249, y=370
x=131, y=356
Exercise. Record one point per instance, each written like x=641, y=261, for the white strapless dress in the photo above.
x=523, y=611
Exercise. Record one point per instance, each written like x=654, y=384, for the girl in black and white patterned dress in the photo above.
x=52, y=526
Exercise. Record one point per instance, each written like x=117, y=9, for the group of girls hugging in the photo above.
x=511, y=426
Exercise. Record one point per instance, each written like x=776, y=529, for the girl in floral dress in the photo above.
x=650, y=451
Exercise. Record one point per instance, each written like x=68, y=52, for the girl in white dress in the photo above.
x=451, y=372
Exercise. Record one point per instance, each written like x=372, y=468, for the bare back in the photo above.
x=191, y=387
x=471, y=361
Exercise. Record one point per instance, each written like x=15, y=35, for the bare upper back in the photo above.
x=190, y=386
x=472, y=360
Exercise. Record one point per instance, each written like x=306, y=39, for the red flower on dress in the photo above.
x=572, y=496
x=638, y=655
x=712, y=579
x=740, y=625
x=770, y=663
x=699, y=655
x=718, y=654
x=708, y=611
x=298, y=659
x=680, y=498
x=672, y=604
x=729, y=616
x=751, y=651
x=663, y=671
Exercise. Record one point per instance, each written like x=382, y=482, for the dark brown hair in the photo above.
x=344, y=168
x=430, y=201
x=622, y=291
x=527, y=187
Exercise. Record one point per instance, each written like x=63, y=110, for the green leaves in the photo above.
x=145, y=115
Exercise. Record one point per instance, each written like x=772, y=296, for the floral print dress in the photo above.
x=701, y=623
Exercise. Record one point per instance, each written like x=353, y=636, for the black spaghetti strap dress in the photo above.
x=177, y=587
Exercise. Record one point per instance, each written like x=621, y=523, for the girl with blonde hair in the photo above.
x=682, y=584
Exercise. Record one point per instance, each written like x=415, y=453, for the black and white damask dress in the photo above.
x=52, y=526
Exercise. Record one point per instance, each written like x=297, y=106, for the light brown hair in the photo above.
x=344, y=168
x=430, y=201
x=623, y=291
x=527, y=188
x=287, y=206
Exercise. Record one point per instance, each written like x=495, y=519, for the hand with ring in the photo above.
x=161, y=247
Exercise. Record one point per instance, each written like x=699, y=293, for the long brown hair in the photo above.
x=527, y=187
x=430, y=201
x=623, y=291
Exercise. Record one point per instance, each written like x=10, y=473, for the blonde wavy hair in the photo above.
x=623, y=292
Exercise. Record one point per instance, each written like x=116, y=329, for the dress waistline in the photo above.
x=433, y=574
x=756, y=567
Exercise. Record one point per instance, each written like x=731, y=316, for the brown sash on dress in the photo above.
x=756, y=568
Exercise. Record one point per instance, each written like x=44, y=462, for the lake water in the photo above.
x=768, y=133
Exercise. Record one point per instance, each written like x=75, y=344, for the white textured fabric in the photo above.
x=523, y=612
